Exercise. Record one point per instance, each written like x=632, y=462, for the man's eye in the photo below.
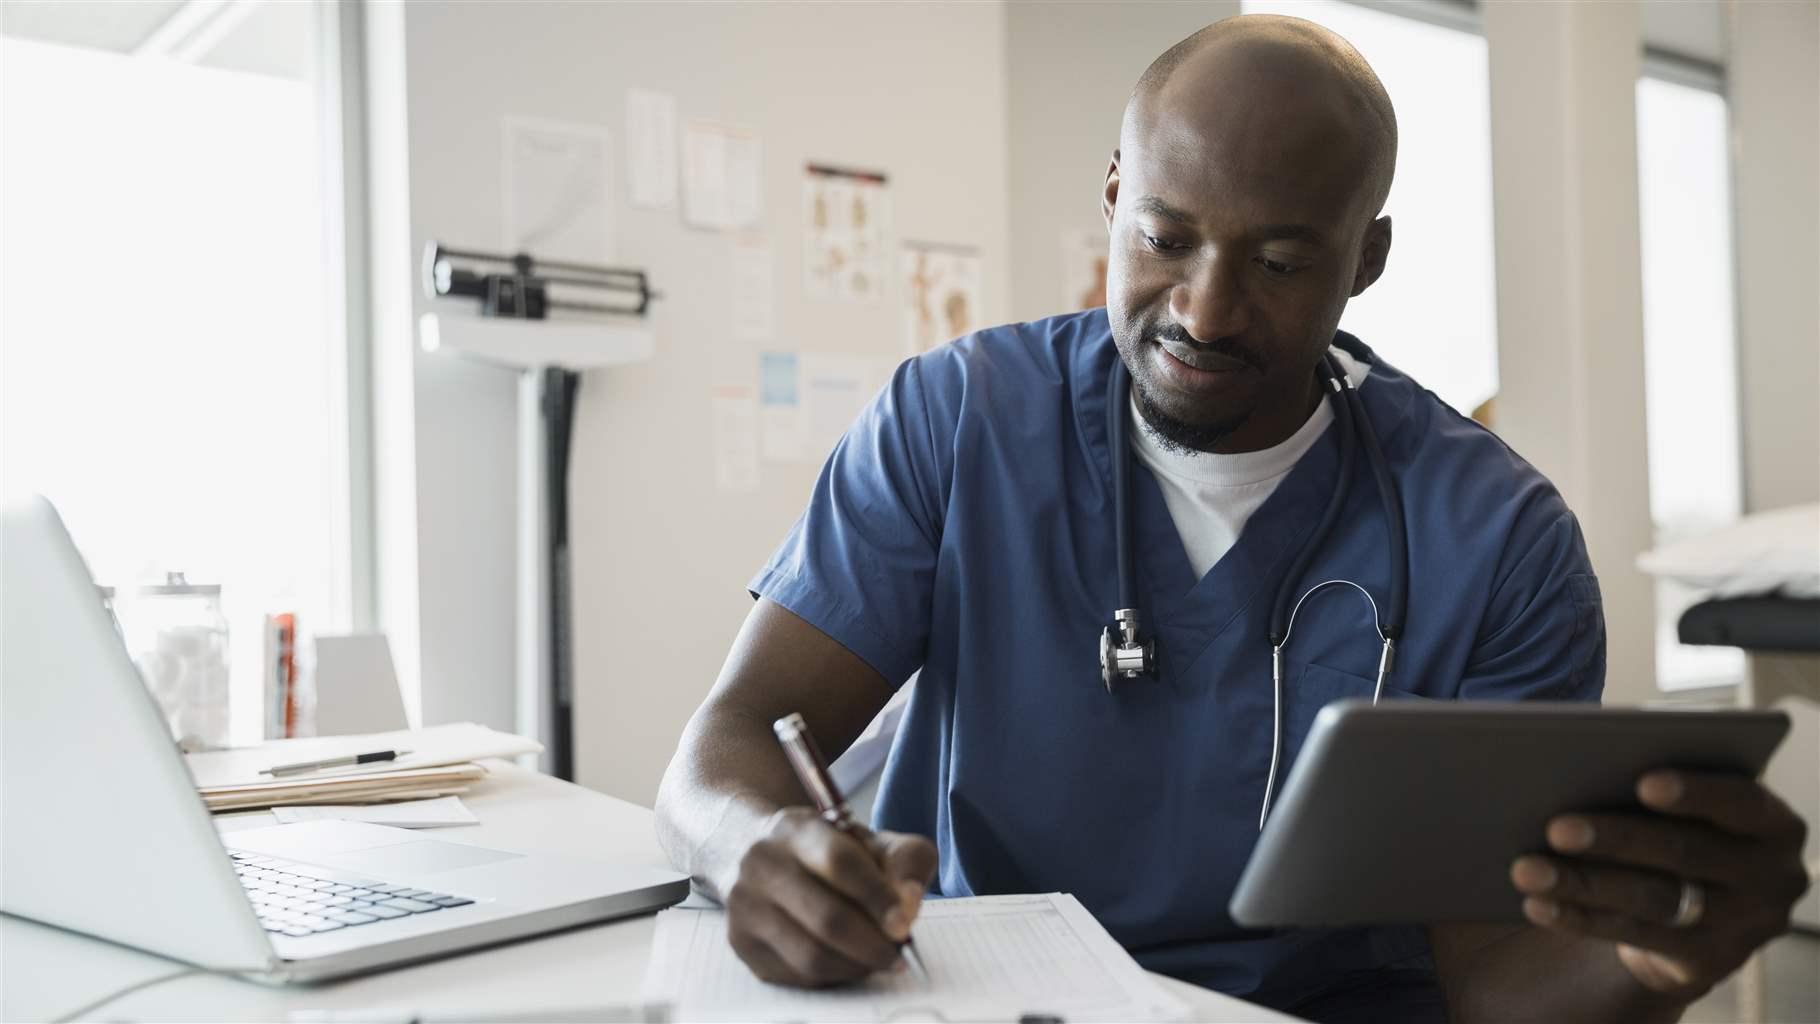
x=1279, y=269
x=1160, y=245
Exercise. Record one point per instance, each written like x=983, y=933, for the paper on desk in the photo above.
x=988, y=958
x=437, y=745
x=379, y=788
x=437, y=813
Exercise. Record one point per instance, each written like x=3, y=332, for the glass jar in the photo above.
x=178, y=637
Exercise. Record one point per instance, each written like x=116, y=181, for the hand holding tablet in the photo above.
x=1687, y=892
x=1645, y=828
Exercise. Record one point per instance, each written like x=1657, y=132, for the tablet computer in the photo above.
x=1412, y=812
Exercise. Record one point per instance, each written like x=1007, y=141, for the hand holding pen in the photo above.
x=815, y=903
x=812, y=771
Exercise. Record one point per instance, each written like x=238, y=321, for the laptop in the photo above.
x=105, y=834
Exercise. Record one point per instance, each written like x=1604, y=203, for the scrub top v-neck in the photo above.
x=962, y=529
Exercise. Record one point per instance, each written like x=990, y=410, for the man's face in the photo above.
x=1238, y=231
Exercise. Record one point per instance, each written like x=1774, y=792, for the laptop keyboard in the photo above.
x=297, y=900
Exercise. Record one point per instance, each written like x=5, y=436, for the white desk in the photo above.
x=45, y=972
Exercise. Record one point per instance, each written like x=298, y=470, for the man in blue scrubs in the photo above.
x=963, y=528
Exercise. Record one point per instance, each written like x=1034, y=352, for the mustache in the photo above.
x=1226, y=346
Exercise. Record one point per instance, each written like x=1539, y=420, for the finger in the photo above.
x=766, y=965
x=1733, y=803
x=832, y=919
x=1684, y=849
x=1656, y=970
x=1678, y=943
x=809, y=961
x=1647, y=896
x=850, y=868
x=910, y=862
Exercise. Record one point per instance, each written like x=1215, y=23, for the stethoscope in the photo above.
x=1127, y=652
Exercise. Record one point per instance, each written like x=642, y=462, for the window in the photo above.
x=1689, y=339
x=1434, y=313
x=173, y=356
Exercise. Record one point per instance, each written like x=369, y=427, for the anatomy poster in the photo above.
x=845, y=216
x=941, y=293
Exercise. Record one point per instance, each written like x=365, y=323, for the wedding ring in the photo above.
x=1692, y=906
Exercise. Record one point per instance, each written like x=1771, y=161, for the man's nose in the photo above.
x=1209, y=302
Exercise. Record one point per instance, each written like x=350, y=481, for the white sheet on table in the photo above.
x=987, y=957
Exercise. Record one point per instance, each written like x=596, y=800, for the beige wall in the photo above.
x=1070, y=67
x=1774, y=83
x=660, y=557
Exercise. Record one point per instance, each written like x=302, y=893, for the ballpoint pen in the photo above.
x=334, y=762
x=799, y=746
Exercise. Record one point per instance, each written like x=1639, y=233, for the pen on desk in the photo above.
x=799, y=746
x=334, y=762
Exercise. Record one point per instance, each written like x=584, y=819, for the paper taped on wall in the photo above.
x=651, y=148
x=735, y=416
x=721, y=176
x=780, y=407
x=754, y=312
x=558, y=190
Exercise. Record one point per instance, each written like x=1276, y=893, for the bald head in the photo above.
x=1243, y=212
x=1281, y=71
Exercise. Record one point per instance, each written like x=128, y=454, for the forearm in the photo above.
x=1529, y=974
x=729, y=776
x=726, y=781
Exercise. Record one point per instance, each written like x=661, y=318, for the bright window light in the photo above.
x=165, y=350
x=1689, y=345
x=1434, y=312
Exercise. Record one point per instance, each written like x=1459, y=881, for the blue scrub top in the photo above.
x=963, y=528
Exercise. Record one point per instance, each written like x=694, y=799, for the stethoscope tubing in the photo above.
x=1343, y=414
x=1355, y=431
x=1118, y=415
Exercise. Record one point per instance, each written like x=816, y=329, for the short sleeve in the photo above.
x=1543, y=637
x=859, y=565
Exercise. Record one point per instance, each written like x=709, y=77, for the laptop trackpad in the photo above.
x=418, y=857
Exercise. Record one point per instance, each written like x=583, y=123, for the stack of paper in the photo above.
x=440, y=763
x=988, y=958
x=371, y=788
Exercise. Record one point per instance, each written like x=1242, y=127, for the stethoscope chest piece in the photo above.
x=1125, y=652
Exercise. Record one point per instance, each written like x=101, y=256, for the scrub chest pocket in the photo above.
x=1316, y=687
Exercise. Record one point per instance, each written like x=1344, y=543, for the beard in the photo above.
x=1173, y=431
x=1180, y=436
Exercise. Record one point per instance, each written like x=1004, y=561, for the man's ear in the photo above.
x=1109, y=197
x=1373, y=256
